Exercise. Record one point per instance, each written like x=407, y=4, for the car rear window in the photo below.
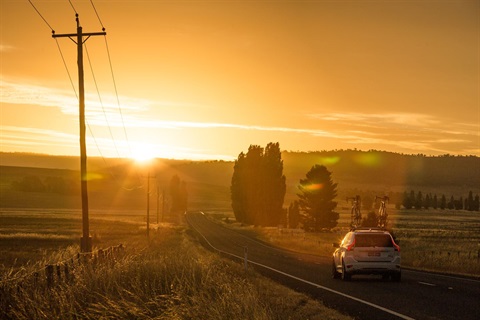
x=373, y=240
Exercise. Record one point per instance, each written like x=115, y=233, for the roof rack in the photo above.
x=368, y=229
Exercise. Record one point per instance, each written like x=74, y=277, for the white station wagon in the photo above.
x=367, y=251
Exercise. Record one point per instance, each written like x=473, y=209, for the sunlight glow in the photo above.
x=142, y=153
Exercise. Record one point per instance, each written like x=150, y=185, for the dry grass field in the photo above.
x=169, y=277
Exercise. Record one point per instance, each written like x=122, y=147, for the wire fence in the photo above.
x=62, y=271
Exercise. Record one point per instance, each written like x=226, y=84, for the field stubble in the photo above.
x=170, y=277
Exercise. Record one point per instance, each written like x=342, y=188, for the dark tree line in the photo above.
x=258, y=186
x=419, y=201
x=52, y=184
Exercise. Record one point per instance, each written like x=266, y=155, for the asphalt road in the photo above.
x=420, y=295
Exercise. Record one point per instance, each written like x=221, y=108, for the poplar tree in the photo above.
x=258, y=186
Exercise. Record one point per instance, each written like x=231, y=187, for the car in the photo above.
x=370, y=251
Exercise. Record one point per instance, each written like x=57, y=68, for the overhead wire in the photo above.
x=115, y=87
x=99, y=20
x=118, y=100
x=109, y=128
x=113, y=79
x=53, y=31
x=100, y=99
x=75, y=92
x=71, y=4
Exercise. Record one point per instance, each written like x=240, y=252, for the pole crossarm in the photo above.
x=76, y=34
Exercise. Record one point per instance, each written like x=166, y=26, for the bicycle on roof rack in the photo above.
x=382, y=211
x=355, y=215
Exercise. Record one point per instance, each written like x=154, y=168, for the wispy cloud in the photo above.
x=6, y=47
x=413, y=132
x=67, y=101
x=365, y=119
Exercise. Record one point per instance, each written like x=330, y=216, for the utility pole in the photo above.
x=86, y=241
x=163, y=203
x=158, y=201
x=148, y=205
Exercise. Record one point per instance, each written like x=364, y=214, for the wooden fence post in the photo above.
x=59, y=272
x=49, y=274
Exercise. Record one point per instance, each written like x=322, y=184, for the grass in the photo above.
x=446, y=241
x=170, y=277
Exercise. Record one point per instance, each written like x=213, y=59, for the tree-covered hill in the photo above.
x=119, y=182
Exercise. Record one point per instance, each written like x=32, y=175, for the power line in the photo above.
x=53, y=31
x=66, y=68
x=116, y=94
x=101, y=103
x=73, y=7
x=95, y=9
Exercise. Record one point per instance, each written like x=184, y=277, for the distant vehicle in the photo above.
x=367, y=251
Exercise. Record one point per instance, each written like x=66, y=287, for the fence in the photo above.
x=63, y=271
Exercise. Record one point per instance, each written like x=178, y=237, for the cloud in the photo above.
x=6, y=48
x=29, y=94
x=365, y=119
x=413, y=132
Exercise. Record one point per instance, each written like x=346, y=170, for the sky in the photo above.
x=204, y=80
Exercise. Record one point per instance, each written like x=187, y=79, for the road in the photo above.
x=419, y=295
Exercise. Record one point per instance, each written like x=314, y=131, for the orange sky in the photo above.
x=206, y=79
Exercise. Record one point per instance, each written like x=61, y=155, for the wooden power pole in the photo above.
x=86, y=241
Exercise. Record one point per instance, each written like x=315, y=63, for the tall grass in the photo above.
x=171, y=277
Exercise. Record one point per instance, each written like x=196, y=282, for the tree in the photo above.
x=469, y=202
x=367, y=202
x=476, y=203
x=274, y=185
x=419, y=201
x=443, y=202
x=317, y=193
x=29, y=184
x=428, y=201
x=258, y=186
x=407, y=201
x=294, y=215
x=238, y=190
x=178, y=194
x=451, y=204
x=435, y=201
x=371, y=220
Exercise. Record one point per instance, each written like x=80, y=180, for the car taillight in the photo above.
x=397, y=247
x=352, y=245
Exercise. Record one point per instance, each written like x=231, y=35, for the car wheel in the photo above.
x=345, y=275
x=335, y=273
x=397, y=277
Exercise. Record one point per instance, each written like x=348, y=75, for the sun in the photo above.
x=142, y=153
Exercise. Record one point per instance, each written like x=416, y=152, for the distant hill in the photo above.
x=120, y=183
x=389, y=169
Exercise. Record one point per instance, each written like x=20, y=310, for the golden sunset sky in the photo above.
x=206, y=79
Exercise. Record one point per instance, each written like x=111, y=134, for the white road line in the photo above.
x=311, y=283
x=427, y=284
x=453, y=277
